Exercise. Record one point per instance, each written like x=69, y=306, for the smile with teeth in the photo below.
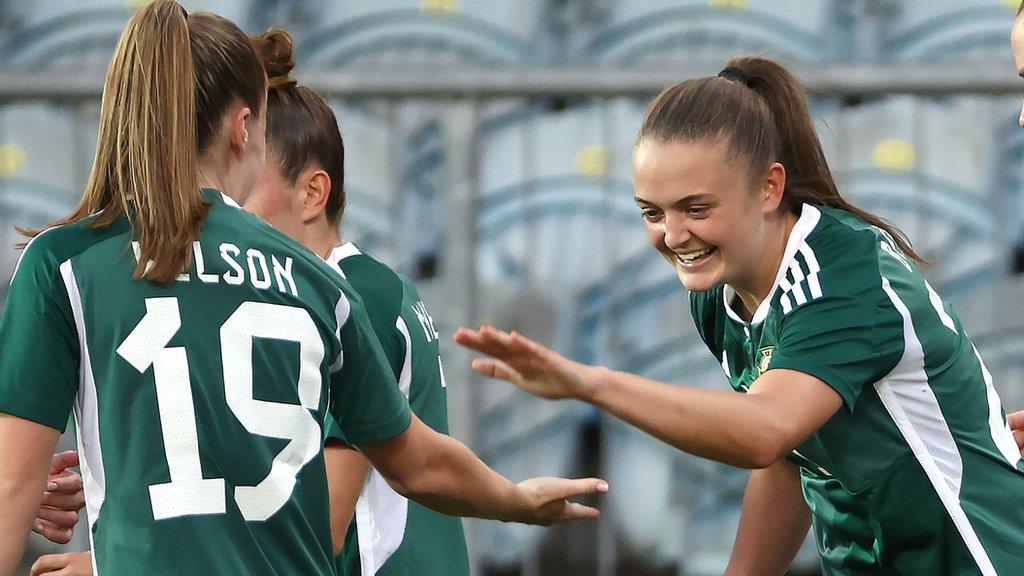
x=688, y=258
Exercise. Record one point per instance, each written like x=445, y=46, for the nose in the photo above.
x=677, y=232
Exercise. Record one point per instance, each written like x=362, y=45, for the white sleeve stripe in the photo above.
x=341, y=313
x=812, y=268
x=405, y=378
x=798, y=277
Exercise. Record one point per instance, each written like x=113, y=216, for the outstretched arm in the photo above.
x=441, y=473
x=754, y=430
x=26, y=448
x=773, y=524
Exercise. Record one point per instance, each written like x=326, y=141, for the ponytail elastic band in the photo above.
x=734, y=73
x=281, y=82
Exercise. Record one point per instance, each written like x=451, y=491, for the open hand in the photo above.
x=548, y=499
x=62, y=500
x=523, y=362
x=72, y=564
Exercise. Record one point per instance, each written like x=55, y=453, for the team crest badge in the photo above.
x=764, y=359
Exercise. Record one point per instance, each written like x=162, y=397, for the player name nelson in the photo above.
x=252, y=266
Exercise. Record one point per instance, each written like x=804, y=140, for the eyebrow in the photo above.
x=698, y=196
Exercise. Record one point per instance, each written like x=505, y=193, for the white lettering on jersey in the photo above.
x=283, y=274
x=197, y=252
x=238, y=276
x=259, y=274
x=425, y=321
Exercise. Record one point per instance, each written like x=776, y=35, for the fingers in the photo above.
x=1016, y=420
x=486, y=340
x=61, y=518
x=561, y=488
x=1018, y=435
x=63, y=460
x=53, y=532
x=70, y=564
x=576, y=511
x=492, y=368
x=66, y=482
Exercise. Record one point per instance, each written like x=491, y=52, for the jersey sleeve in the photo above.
x=847, y=340
x=39, y=349
x=365, y=399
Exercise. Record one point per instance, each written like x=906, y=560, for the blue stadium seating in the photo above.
x=943, y=30
x=666, y=30
x=410, y=32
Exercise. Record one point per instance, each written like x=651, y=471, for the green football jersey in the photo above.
x=392, y=536
x=920, y=457
x=199, y=403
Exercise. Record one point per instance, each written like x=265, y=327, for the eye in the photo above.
x=651, y=214
x=698, y=211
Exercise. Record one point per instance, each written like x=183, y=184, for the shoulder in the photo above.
x=380, y=287
x=49, y=249
x=840, y=256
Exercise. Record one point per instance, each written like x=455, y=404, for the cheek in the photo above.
x=655, y=235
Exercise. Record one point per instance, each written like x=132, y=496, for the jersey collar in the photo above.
x=339, y=253
x=213, y=195
x=809, y=217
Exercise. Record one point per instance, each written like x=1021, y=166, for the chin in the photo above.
x=697, y=282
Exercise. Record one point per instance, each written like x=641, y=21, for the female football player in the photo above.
x=301, y=193
x=865, y=408
x=202, y=349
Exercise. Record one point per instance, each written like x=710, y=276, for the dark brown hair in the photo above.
x=171, y=79
x=302, y=130
x=759, y=108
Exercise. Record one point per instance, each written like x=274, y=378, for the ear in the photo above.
x=774, y=187
x=239, y=134
x=317, y=187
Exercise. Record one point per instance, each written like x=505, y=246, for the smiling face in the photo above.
x=705, y=213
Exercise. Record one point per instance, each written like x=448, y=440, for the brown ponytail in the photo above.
x=760, y=107
x=302, y=130
x=170, y=81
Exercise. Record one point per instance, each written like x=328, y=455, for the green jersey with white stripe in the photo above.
x=392, y=536
x=200, y=403
x=918, y=473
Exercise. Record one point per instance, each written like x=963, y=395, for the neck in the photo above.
x=322, y=237
x=212, y=174
x=762, y=279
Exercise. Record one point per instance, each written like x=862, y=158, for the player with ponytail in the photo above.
x=201, y=349
x=863, y=406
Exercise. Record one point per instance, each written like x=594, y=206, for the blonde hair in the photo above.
x=157, y=114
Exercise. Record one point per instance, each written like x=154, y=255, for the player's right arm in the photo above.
x=773, y=524
x=443, y=474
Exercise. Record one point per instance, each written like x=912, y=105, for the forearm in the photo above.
x=452, y=480
x=737, y=429
x=773, y=525
x=25, y=452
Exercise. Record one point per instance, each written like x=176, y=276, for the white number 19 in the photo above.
x=188, y=493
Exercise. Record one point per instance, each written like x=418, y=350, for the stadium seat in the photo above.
x=410, y=32
x=944, y=30
x=666, y=30
x=55, y=33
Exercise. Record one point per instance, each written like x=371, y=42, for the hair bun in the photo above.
x=275, y=49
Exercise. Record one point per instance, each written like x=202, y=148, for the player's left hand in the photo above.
x=63, y=498
x=1016, y=424
x=71, y=564
x=523, y=362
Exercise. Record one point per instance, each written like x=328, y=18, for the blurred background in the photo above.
x=488, y=148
